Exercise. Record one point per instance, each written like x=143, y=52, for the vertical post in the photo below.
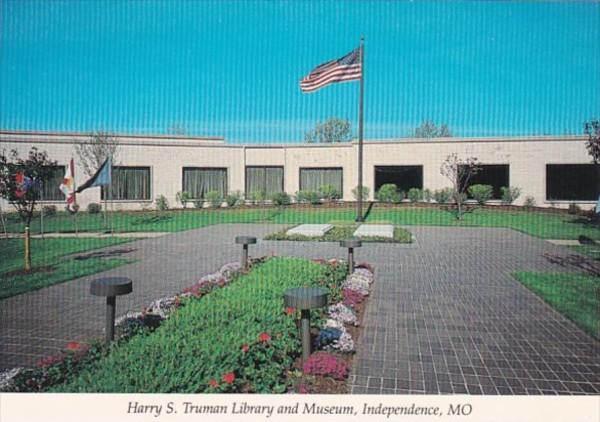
x=27, y=249
x=305, y=327
x=110, y=318
x=245, y=256
x=350, y=260
x=359, y=206
x=42, y=220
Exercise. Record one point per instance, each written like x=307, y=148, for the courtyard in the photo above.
x=447, y=314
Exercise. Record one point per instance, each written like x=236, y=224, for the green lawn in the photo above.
x=50, y=265
x=576, y=296
x=539, y=224
x=341, y=232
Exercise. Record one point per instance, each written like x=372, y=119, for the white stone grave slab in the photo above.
x=378, y=230
x=312, y=230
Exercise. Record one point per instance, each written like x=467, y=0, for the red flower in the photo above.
x=245, y=348
x=213, y=383
x=290, y=310
x=264, y=337
x=74, y=346
x=229, y=377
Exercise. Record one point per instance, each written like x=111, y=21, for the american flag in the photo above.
x=348, y=68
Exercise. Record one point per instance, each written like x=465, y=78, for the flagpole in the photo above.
x=359, y=205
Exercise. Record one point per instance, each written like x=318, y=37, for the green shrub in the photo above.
x=94, y=208
x=214, y=198
x=329, y=193
x=49, y=210
x=183, y=198
x=257, y=197
x=529, y=202
x=443, y=196
x=510, y=194
x=235, y=339
x=388, y=193
x=574, y=209
x=427, y=195
x=365, y=193
x=161, y=203
x=308, y=196
x=415, y=195
x=281, y=199
x=233, y=198
x=481, y=193
x=199, y=203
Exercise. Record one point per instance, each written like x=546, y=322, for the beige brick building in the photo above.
x=554, y=170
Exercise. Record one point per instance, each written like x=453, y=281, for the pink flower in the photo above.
x=290, y=310
x=49, y=361
x=213, y=383
x=264, y=337
x=229, y=377
x=245, y=348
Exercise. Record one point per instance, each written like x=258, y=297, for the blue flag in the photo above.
x=103, y=177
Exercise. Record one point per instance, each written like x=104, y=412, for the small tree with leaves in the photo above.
x=429, y=130
x=95, y=151
x=333, y=130
x=21, y=180
x=460, y=172
x=592, y=130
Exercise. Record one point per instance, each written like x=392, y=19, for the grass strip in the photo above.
x=51, y=261
x=576, y=296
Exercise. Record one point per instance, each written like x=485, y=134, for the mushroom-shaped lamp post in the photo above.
x=351, y=244
x=111, y=287
x=245, y=241
x=305, y=299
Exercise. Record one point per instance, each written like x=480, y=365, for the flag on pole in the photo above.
x=347, y=68
x=67, y=186
x=103, y=177
x=24, y=184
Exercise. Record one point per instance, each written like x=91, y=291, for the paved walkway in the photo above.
x=445, y=315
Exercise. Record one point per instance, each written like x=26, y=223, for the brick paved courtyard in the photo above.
x=445, y=315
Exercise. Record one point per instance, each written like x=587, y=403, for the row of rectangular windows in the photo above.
x=564, y=182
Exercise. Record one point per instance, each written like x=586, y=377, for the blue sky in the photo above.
x=231, y=68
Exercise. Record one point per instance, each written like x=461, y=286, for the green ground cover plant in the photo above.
x=50, y=262
x=342, y=232
x=573, y=295
x=539, y=224
x=236, y=339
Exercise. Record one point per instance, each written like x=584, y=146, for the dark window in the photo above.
x=311, y=179
x=267, y=180
x=495, y=175
x=197, y=181
x=572, y=182
x=50, y=187
x=129, y=184
x=404, y=177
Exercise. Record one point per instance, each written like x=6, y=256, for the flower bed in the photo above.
x=325, y=372
x=213, y=339
x=342, y=232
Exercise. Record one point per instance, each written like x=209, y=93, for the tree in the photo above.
x=95, y=151
x=21, y=180
x=592, y=130
x=459, y=172
x=333, y=130
x=428, y=130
